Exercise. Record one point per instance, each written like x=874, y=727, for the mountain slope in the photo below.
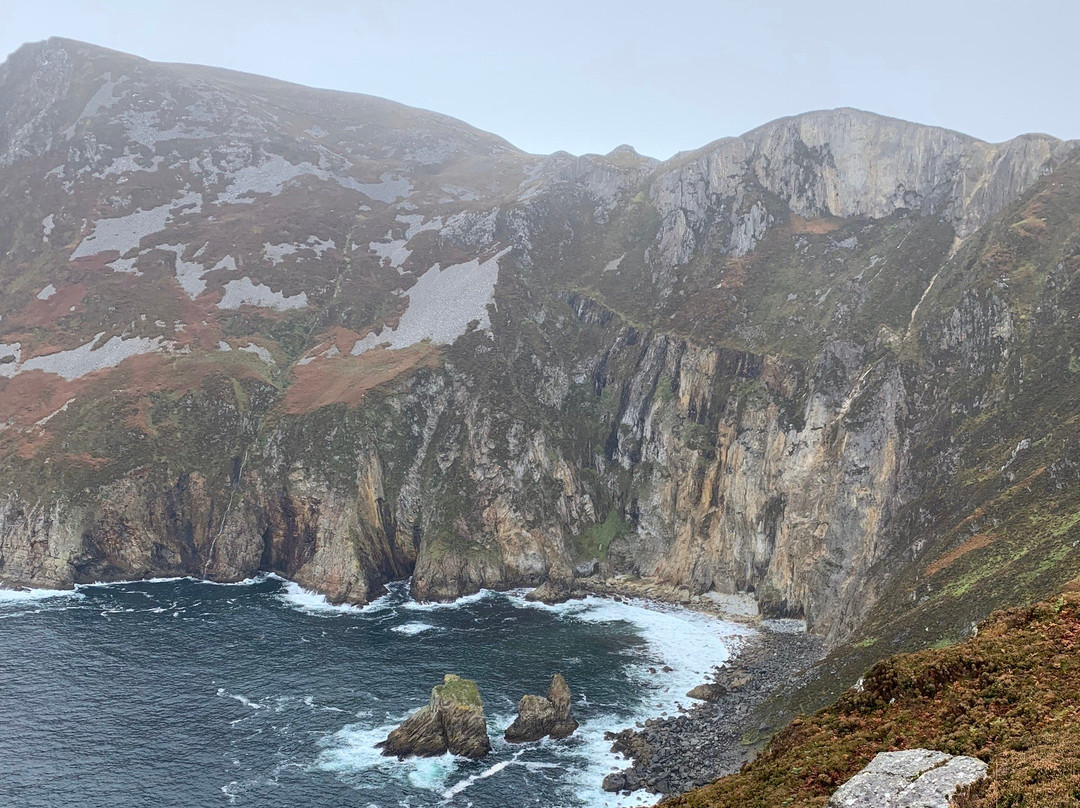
x=1008, y=696
x=246, y=325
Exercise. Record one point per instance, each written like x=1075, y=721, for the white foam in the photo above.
x=352, y=750
x=688, y=642
x=464, y=600
x=254, y=705
x=313, y=603
x=412, y=629
x=461, y=785
x=256, y=579
x=19, y=596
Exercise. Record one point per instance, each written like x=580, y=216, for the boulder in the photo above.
x=452, y=721
x=540, y=717
x=534, y=720
x=914, y=778
x=708, y=692
x=551, y=592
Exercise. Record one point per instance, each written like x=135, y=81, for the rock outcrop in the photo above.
x=707, y=692
x=914, y=778
x=551, y=592
x=540, y=717
x=452, y=721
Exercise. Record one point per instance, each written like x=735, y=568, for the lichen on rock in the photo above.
x=912, y=778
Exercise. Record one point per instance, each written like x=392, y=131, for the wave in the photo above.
x=351, y=753
x=255, y=579
x=28, y=595
x=438, y=605
x=305, y=600
x=412, y=629
x=461, y=785
x=222, y=692
x=681, y=649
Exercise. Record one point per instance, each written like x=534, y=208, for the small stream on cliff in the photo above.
x=186, y=693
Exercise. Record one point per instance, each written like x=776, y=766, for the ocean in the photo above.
x=187, y=693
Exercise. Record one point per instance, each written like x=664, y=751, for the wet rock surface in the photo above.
x=540, y=717
x=452, y=721
x=674, y=754
x=552, y=592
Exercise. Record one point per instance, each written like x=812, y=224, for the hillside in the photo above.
x=250, y=326
x=1009, y=695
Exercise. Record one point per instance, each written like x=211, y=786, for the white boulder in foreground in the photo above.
x=915, y=778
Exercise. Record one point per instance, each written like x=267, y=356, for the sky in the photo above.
x=589, y=75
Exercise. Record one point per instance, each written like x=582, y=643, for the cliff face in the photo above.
x=250, y=326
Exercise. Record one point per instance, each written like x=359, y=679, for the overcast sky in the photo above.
x=588, y=75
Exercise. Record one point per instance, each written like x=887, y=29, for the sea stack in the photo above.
x=539, y=717
x=452, y=721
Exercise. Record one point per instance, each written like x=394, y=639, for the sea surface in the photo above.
x=187, y=693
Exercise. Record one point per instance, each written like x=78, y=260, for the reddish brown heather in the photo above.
x=347, y=379
x=1009, y=696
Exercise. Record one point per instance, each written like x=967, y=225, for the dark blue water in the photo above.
x=182, y=693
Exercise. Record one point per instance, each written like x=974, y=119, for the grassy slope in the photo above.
x=1010, y=696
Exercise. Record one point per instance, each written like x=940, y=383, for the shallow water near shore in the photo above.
x=186, y=693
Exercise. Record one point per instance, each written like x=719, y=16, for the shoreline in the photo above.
x=665, y=754
x=713, y=736
x=732, y=608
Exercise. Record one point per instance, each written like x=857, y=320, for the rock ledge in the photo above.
x=914, y=778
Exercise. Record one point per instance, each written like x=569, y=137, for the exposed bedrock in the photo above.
x=913, y=778
x=452, y=721
x=540, y=717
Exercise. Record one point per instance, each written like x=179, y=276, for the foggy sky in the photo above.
x=586, y=76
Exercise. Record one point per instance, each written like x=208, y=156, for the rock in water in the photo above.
x=534, y=720
x=551, y=593
x=914, y=778
x=458, y=705
x=559, y=696
x=538, y=716
x=453, y=721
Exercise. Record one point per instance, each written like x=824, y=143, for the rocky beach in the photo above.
x=726, y=720
x=719, y=733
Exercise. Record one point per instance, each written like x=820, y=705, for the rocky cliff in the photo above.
x=246, y=326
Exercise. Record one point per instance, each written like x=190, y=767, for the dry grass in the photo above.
x=347, y=379
x=799, y=225
x=976, y=542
